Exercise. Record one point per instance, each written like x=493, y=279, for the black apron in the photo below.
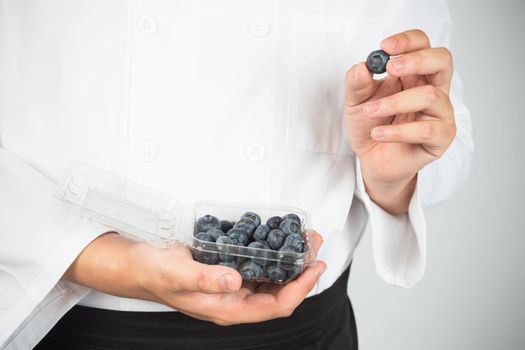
x=322, y=322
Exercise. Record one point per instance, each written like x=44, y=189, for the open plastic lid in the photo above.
x=128, y=207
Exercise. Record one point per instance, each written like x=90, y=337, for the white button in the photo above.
x=147, y=151
x=255, y=151
x=147, y=24
x=260, y=28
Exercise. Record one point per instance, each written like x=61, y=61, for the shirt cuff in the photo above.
x=398, y=241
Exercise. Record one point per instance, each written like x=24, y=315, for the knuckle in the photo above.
x=427, y=131
x=394, y=133
x=418, y=59
x=421, y=33
x=431, y=92
x=203, y=280
x=447, y=55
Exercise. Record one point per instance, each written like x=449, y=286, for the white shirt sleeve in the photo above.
x=40, y=238
x=398, y=241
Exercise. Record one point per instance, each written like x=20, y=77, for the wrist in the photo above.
x=140, y=270
x=394, y=196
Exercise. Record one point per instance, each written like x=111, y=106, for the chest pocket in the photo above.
x=320, y=51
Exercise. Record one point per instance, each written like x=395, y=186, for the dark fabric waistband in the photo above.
x=317, y=317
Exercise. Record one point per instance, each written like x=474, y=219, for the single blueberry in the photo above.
x=246, y=224
x=261, y=233
x=204, y=257
x=239, y=236
x=276, y=239
x=287, y=257
x=206, y=223
x=275, y=273
x=232, y=264
x=294, y=272
x=376, y=61
x=222, y=245
x=274, y=222
x=203, y=251
x=295, y=241
x=293, y=217
x=226, y=225
x=205, y=236
x=290, y=226
x=215, y=233
x=250, y=270
x=251, y=215
x=260, y=255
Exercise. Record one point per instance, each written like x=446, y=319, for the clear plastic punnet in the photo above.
x=142, y=213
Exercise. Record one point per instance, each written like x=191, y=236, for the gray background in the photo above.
x=473, y=293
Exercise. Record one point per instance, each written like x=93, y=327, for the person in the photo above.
x=264, y=102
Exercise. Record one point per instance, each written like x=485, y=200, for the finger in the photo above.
x=404, y=42
x=293, y=293
x=427, y=99
x=435, y=62
x=427, y=132
x=315, y=241
x=204, y=278
x=359, y=85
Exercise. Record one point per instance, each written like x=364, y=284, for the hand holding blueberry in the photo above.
x=403, y=122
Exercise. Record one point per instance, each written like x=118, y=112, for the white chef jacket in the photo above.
x=219, y=100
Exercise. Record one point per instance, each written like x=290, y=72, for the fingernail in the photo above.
x=378, y=133
x=371, y=108
x=227, y=283
x=398, y=63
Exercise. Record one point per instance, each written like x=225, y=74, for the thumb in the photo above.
x=359, y=85
x=209, y=278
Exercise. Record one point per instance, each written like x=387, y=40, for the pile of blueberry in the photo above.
x=275, y=245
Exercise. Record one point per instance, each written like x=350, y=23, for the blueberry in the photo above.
x=205, y=236
x=226, y=225
x=274, y=222
x=239, y=236
x=223, y=250
x=232, y=264
x=201, y=251
x=250, y=270
x=215, y=233
x=295, y=241
x=376, y=61
x=206, y=223
x=260, y=256
x=287, y=257
x=204, y=257
x=275, y=273
x=276, y=239
x=294, y=272
x=247, y=225
x=258, y=245
x=261, y=233
x=290, y=226
x=293, y=217
x=251, y=215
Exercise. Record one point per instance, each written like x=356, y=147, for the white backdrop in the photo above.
x=473, y=294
